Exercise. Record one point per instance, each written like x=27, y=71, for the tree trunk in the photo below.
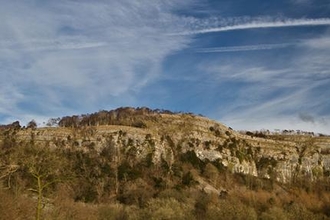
x=39, y=204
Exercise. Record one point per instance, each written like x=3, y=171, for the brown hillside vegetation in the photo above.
x=138, y=163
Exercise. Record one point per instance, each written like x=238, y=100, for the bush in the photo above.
x=167, y=209
x=112, y=212
x=230, y=210
x=188, y=179
x=274, y=213
x=296, y=211
x=136, y=192
x=15, y=207
x=191, y=157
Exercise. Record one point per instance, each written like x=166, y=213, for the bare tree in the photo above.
x=46, y=167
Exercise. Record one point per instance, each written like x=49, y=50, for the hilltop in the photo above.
x=138, y=158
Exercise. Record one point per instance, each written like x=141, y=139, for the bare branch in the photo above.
x=33, y=190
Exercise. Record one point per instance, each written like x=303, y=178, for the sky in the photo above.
x=250, y=65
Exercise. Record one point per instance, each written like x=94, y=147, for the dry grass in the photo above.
x=16, y=206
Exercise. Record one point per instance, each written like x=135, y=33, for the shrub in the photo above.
x=188, y=179
x=191, y=157
x=136, y=192
x=112, y=212
x=230, y=210
x=167, y=209
x=274, y=213
x=15, y=207
x=211, y=172
x=296, y=211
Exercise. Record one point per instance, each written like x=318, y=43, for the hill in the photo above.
x=159, y=164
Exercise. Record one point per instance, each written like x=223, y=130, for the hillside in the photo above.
x=141, y=160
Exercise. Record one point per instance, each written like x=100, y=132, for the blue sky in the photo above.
x=248, y=64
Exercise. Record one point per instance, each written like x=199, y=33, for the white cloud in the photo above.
x=322, y=43
x=278, y=97
x=279, y=112
x=281, y=122
x=68, y=43
x=68, y=55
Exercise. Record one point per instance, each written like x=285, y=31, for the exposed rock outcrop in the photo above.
x=141, y=133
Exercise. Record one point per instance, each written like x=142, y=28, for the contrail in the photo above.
x=260, y=24
x=41, y=44
x=243, y=48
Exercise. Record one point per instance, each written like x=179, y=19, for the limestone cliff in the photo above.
x=163, y=138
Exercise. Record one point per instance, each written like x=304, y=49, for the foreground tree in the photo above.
x=46, y=167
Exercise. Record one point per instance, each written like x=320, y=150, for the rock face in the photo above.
x=164, y=137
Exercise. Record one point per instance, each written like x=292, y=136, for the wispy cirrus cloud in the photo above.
x=244, y=48
x=67, y=43
x=70, y=57
x=67, y=57
x=322, y=43
x=290, y=95
x=268, y=106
